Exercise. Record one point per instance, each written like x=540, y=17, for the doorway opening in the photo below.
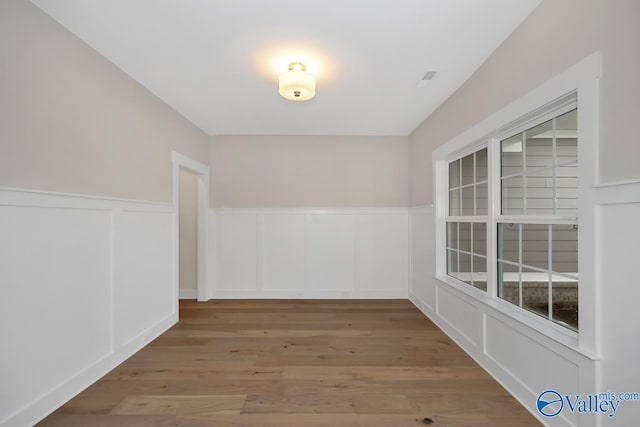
x=188, y=235
x=191, y=199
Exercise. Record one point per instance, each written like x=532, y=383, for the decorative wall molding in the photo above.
x=61, y=249
x=310, y=253
x=618, y=192
x=89, y=280
x=618, y=211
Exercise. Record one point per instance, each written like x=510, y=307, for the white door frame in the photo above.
x=203, y=174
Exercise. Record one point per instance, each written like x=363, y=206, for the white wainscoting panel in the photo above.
x=382, y=248
x=310, y=253
x=619, y=244
x=237, y=252
x=517, y=353
x=55, y=266
x=283, y=253
x=144, y=292
x=331, y=256
x=462, y=316
x=82, y=278
x=422, y=254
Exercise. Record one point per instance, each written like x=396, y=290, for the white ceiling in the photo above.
x=217, y=61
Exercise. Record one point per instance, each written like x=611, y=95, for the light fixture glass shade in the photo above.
x=296, y=84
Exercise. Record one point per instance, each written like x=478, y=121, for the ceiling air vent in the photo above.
x=429, y=75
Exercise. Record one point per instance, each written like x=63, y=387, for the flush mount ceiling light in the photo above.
x=296, y=84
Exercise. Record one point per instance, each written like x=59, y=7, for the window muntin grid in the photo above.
x=467, y=252
x=467, y=240
x=468, y=184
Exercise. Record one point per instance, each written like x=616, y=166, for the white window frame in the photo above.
x=581, y=81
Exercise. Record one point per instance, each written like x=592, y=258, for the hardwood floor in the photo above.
x=296, y=363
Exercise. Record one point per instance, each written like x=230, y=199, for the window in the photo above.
x=519, y=213
x=541, y=220
x=467, y=220
x=537, y=237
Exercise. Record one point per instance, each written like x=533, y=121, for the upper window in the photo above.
x=468, y=183
x=539, y=168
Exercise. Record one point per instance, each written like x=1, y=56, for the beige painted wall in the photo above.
x=188, y=223
x=555, y=36
x=70, y=121
x=620, y=91
x=309, y=171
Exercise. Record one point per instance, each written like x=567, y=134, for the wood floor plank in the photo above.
x=296, y=363
x=200, y=405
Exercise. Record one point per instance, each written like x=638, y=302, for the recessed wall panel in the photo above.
x=237, y=252
x=529, y=362
x=144, y=271
x=283, y=252
x=55, y=309
x=381, y=252
x=331, y=258
x=462, y=316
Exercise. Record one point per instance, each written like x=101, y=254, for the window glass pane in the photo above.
x=539, y=194
x=564, y=249
x=482, y=199
x=467, y=201
x=452, y=263
x=512, y=196
x=567, y=137
x=508, y=283
x=454, y=174
x=464, y=236
x=508, y=242
x=565, y=301
x=535, y=292
x=535, y=245
x=452, y=235
x=539, y=146
x=454, y=202
x=566, y=150
x=480, y=273
x=481, y=165
x=467, y=169
x=567, y=189
x=511, y=153
x=480, y=238
x=465, y=267
x=542, y=131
